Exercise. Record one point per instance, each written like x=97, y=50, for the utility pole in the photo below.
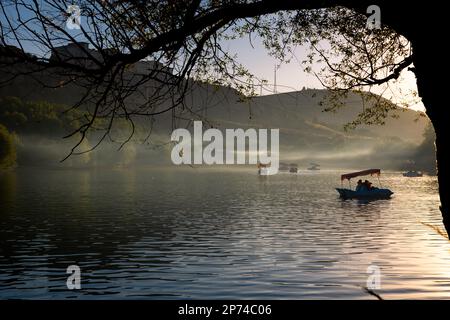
x=275, y=79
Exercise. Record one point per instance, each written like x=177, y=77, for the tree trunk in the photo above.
x=443, y=162
x=428, y=62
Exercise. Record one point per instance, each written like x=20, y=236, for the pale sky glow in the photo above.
x=291, y=77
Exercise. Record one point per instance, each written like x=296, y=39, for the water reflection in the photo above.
x=212, y=234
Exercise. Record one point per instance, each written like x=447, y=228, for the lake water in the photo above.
x=212, y=234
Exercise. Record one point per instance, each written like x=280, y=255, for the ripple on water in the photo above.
x=185, y=234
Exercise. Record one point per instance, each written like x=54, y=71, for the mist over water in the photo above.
x=306, y=134
x=39, y=151
x=196, y=233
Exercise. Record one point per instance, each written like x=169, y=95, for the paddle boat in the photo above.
x=371, y=193
x=413, y=174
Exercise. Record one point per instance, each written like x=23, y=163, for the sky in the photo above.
x=290, y=77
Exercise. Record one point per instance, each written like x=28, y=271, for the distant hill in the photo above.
x=307, y=134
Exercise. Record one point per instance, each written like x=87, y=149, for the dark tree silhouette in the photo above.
x=188, y=36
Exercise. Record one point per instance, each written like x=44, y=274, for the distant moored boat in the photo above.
x=263, y=169
x=413, y=173
x=293, y=168
x=314, y=166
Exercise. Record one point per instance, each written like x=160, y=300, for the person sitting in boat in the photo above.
x=359, y=186
x=368, y=185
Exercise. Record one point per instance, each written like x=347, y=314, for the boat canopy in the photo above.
x=348, y=176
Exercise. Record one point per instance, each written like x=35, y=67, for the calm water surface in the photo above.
x=194, y=233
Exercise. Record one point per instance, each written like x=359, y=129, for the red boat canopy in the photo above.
x=348, y=176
